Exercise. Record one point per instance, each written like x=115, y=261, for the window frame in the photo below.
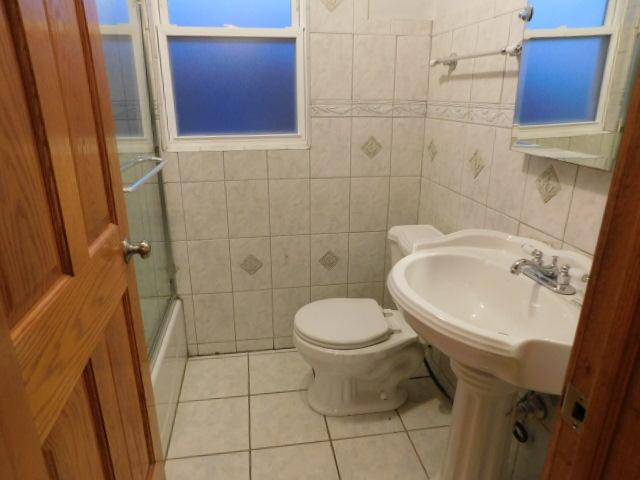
x=174, y=142
x=611, y=29
x=133, y=30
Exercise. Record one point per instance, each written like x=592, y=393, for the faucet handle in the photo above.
x=537, y=256
x=564, y=278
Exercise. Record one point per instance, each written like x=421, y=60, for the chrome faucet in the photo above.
x=556, y=279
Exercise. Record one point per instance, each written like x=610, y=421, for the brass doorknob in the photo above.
x=139, y=248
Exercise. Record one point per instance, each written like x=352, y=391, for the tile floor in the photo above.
x=245, y=416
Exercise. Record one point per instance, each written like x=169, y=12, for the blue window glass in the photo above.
x=123, y=85
x=240, y=13
x=113, y=12
x=568, y=13
x=234, y=85
x=560, y=80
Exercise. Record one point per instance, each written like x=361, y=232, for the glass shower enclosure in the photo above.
x=121, y=27
x=141, y=166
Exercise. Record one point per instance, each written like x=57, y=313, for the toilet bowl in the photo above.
x=360, y=353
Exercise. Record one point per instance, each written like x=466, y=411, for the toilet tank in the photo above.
x=403, y=238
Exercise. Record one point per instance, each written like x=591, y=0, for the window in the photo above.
x=233, y=73
x=566, y=64
x=124, y=58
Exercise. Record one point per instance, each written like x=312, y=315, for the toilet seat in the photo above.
x=342, y=323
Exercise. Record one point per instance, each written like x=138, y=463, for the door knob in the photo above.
x=138, y=248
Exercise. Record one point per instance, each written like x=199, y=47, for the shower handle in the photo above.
x=138, y=248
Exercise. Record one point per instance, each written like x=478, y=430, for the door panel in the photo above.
x=30, y=253
x=73, y=448
x=75, y=86
x=72, y=350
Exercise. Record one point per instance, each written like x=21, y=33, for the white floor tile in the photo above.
x=383, y=457
x=284, y=419
x=360, y=425
x=210, y=426
x=278, y=372
x=313, y=461
x=431, y=445
x=215, y=378
x=426, y=406
x=227, y=466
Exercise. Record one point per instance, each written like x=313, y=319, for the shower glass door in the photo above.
x=122, y=39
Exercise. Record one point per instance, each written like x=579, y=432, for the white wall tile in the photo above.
x=476, y=161
x=251, y=263
x=214, y=317
x=253, y=313
x=328, y=291
x=412, y=68
x=333, y=268
x=290, y=261
x=550, y=217
x=449, y=159
x=488, y=72
x=245, y=164
x=175, y=211
x=407, y=146
x=472, y=214
x=324, y=17
x=508, y=176
x=494, y=220
x=330, y=205
x=201, y=166
x=181, y=260
x=373, y=290
x=371, y=147
x=286, y=302
x=288, y=163
x=587, y=208
x=205, y=210
x=366, y=257
x=331, y=147
x=369, y=204
x=210, y=266
x=373, y=67
x=439, y=75
x=248, y=208
x=331, y=66
x=463, y=42
x=289, y=206
x=404, y=200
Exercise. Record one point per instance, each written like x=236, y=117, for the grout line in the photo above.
x=249, y=408
x=333, y=450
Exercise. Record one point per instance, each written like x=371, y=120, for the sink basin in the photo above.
x=502, y=332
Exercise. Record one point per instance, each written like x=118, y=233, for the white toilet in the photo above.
x=359, y=352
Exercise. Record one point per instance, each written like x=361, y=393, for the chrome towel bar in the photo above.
x=452, y=60
x=159, y=165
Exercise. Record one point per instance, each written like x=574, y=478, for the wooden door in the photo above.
x=605, y=362
x=75, y=399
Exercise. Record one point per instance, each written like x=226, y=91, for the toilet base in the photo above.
x=337, y=397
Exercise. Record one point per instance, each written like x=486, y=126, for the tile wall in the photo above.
x=257, y=234
x=470, y=177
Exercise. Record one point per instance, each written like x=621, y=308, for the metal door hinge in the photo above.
x=574, y=407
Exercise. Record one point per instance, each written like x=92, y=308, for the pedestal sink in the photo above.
x=503, y=333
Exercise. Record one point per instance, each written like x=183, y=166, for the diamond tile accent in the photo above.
x=329, y=260
x=331, y=4
x=548, y=184
x=371, y=147
x=251, y=264
x=476, y=163
x=432, y=150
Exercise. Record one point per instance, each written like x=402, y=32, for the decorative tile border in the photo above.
x=483, y=114
x=347, y=108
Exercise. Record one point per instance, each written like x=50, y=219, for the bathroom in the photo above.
x=357, y=239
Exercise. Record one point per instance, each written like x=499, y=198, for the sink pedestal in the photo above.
x=481, y=425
